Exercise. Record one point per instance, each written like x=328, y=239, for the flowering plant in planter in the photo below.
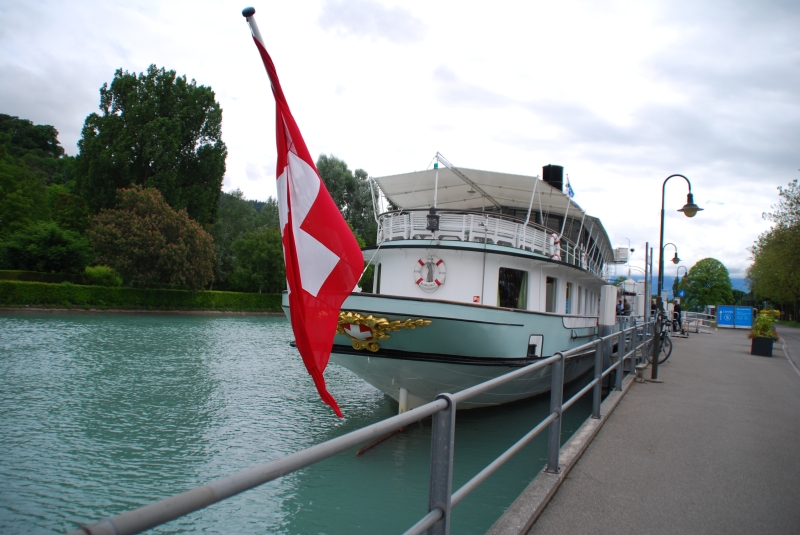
x=764, y=327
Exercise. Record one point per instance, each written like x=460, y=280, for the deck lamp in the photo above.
x=690, y=209
x=433, y=220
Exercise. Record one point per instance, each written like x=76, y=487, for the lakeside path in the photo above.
x=713, y=449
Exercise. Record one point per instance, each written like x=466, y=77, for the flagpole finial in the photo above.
x=248, y=12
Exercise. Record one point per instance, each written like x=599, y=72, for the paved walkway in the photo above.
x=713, y=449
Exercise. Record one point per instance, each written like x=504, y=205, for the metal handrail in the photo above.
x=442, y=500
x=572, y=253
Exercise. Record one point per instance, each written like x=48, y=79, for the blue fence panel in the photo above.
x=725, y=316
x=743, y=318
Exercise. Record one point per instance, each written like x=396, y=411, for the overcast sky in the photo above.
x=621, y=94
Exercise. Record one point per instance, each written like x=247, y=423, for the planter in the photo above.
x=761, y=347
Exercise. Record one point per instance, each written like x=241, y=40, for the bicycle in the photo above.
x=666, y=344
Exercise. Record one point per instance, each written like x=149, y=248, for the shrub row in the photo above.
x=36, y=276
x=67, y=295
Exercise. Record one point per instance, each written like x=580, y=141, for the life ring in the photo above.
x=555, y=246
x=430, y=274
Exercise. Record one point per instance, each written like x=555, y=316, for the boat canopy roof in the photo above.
x=415, y=190
x=492, y=191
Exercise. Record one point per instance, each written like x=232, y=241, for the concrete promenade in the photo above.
x=715, y=448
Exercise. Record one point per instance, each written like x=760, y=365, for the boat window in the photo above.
x=378, y=279
x=512, y=288
x=550, y=295
x=566, y=303
x=580, y=301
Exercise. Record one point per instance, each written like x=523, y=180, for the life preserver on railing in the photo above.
x=555, y=246
x=430, y=274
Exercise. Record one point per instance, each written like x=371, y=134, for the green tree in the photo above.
x=258, y=262
x=31, y=159
x=775, y=272
x=44, y=246
x=156, y=130
x=707, y=283
x=351, y=193
x=619, y=280
x=235, y=217
x=150, y=244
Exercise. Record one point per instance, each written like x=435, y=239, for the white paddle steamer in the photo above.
x=505, y=270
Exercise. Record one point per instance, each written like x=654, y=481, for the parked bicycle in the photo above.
x=665, y=349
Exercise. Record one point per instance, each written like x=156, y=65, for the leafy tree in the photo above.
x=351, y=193
x=156, y=130
x=150, y=244
x=31, y=158
x=268, y=216
x=258, y=262
x=619, y=280
x=707, y=283
x=66, y=209
x=775, y=272
x=44, y=246
x=236, y=216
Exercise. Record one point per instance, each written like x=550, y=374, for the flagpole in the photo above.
x=248, y=13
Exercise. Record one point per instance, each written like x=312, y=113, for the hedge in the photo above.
x=36, y=276
x=66, y=295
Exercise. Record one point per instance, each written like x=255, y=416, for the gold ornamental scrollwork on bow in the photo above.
x=378, y=328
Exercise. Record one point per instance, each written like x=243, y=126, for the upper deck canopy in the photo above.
x=415, y=190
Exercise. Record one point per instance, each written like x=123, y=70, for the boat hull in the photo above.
x=456, y=346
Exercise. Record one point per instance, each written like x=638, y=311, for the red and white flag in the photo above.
x=323, y=259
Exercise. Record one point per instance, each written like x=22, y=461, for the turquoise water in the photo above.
x=102, y=413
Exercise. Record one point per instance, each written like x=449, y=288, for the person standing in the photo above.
x=676, y=315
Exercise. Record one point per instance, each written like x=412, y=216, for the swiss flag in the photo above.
x=323, y=259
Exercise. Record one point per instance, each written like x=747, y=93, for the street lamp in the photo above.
x=678, y=273
x=690, y=209
x=678, y=278
x=675, y=260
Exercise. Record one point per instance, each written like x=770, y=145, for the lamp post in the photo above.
x=689, y=209
x=675, y=259
x=678, y=275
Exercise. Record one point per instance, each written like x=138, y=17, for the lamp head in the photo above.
x=676, y=260
x=690, y=209
x=433, y=220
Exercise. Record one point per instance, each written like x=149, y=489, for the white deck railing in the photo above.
x=486, y=228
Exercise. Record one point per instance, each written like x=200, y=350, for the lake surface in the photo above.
x=103, y=413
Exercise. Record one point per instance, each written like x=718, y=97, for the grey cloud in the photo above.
x=364, y=18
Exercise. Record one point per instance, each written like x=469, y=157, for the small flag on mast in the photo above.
x=570, y=192
x=323, y=259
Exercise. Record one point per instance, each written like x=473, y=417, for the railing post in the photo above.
x=442, y=441
x=556, y=405
x=621, y=350
x=598, y=375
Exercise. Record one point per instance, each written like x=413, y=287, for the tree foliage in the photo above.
x=259, y=263
x=31, y=162
x=351, y=193
x=156, y=130
x=150, y=244
x=707, y=283
x=775, y=272
x=44, y=246
x=236, y=217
